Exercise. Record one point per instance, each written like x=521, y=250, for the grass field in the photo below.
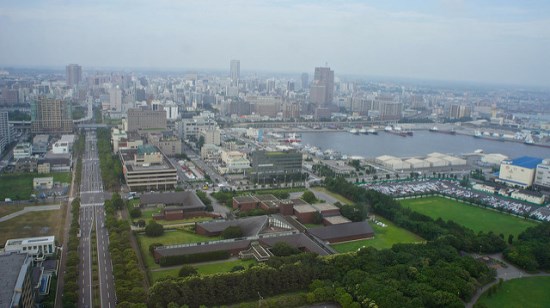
x=169, y=237
x=204, y=269
x=475, y=218
x=10, y=208
x=31, y=225
x=19, y=186
x=524, y=292
x=384, y=237
x=147, y=215
x=340, y=198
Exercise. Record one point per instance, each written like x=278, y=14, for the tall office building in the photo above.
x=74, y=74
x=115, y=99
x=322, y=89
x=305, y=80
x=235, y=71
x=51, y=116
x=4, y=131
x=146, y=119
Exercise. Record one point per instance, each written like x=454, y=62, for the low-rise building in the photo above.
x=17, y=289
x=34, y=246
x=210, y=152
x=169, y=145
x=305, y=213
x=26, y=165
x=343, y=232
x=22, y=150
x=42, y=183
x=58, y=162
x=40, y=144
x=146, y=168
x=233, y=162
x=211, y=136
x=528, y=196
x=60, y=147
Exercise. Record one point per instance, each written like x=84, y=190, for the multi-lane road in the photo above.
x=92, y=220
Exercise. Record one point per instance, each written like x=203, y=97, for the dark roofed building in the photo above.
x=250, y=226
x=175, y=205
x=343, y=232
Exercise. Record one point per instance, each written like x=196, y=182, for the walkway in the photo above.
x=508, y=273
x=29, y=209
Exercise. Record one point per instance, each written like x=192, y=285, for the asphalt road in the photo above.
x=92, y=220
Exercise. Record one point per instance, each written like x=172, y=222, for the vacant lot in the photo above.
x=384, y=237
x=19, y=187
x=475, y=218
x=170, y=237
x=10, y=208
x=523, y=292
x=204, y=269
x=32, y=224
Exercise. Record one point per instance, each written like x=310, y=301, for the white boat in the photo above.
x=363, y=131
x=354, y=131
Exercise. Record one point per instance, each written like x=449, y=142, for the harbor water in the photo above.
x=420, y=144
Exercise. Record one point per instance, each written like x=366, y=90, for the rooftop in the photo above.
x=336, y=220
x=30, y=240
x=342, y=230
x=147, y=149
x=250, y=225
x=10, y=267
x=304, y=208
x=185, y=199
x=325, y=207
x=525, y=162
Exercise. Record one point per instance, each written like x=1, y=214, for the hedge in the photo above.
x=194, y=258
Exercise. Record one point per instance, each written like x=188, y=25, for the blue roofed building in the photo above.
x=518, y=172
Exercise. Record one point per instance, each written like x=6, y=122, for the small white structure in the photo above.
x=34, y=246
x=42, y=183
x=22, y=150
x=529, y=196
x=61, y=147
x=493, y=159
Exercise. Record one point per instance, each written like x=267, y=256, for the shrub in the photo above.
x=154, y=229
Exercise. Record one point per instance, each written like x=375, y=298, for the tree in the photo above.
x=237, y=268
x=154, y=229
x=232, y=232
x=309, y=197
x=187, y=270
x=317, y=218
x=135, y=213
x=283, y=249
x=153, y=246
x=510, y=239
x=141, y=223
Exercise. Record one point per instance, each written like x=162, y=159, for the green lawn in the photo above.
x=340, y=198
x=475, y=218
x=384, y=237
x=524, y=292
x=19, y=186
x=204, y=269
x=168, y=238
x=32, y=224
x=147, y=215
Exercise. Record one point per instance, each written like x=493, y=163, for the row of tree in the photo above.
x=111, y=168
x=531, y=250
x=408, y=275
x=70, y=289
x=129, y=279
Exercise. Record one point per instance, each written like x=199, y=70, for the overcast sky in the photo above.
x=496, y=41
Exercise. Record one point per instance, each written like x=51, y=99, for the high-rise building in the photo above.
x=115, y=99
x=280, y=166
x=146, y=119
x=51, y=116
x=5, y=136
x=305, y=80
x=235, y=71
x=322, y=89
x=459, y=111
x=74, y=74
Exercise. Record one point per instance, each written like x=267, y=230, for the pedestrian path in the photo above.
x=28, y=209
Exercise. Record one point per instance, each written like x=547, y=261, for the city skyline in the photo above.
x=490, y=42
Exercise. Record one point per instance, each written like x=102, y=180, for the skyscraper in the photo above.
x=5, y=137
x=305, y=80
x=74, y=74
x=322, y=89
x=115, y=99
x=51, y=116
x=235, y=71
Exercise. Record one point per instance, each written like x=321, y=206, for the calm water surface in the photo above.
x=422, y=143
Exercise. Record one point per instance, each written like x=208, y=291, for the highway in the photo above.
x=92, y=219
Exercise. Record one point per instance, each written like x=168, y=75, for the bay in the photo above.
x=420, y=144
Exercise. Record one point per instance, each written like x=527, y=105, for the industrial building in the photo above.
x=518, y=172
x=542, y=175
x=146, y=168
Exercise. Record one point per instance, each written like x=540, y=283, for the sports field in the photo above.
x=524, y=292
x=475, y=218
x=384, y=237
